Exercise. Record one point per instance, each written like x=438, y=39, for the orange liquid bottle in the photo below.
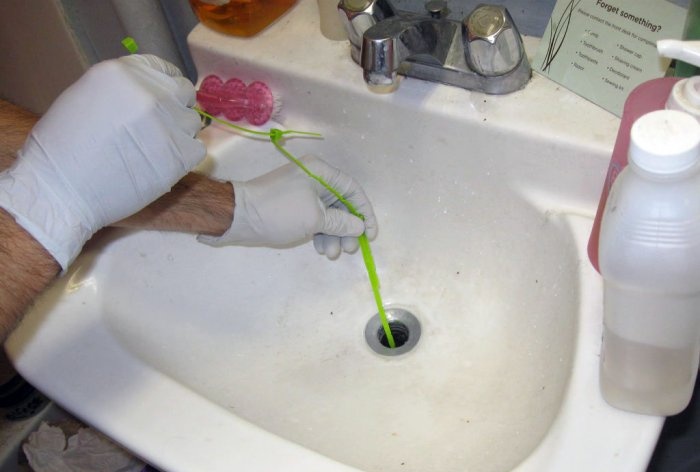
x=239, y=17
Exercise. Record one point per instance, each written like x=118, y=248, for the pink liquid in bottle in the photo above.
x=647, y=97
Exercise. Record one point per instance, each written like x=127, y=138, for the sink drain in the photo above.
x=404, y=326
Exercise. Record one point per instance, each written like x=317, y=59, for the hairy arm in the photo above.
x=196, y=204
x=28, y=268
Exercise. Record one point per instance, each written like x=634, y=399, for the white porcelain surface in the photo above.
x=253, y=359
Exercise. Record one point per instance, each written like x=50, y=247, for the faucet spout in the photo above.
x=483, y=52
x=392, y=42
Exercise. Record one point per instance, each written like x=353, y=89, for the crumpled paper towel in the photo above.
x=47, y=450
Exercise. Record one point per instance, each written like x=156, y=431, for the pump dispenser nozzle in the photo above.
x=685, y=95
x=686, y=51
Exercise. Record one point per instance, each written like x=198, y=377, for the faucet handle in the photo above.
x=493, y=45
x=357, y=16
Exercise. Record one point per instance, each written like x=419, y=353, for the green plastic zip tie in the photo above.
x=130, y=44
x=276, y=136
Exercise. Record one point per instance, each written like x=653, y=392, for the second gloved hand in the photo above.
x=286, y=206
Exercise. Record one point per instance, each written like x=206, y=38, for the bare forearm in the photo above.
x=28, y=269
x=196, y=204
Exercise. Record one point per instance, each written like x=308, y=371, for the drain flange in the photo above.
x=404, y=326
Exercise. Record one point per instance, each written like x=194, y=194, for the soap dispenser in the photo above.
x=685, y=94
x=671, y=93
x=239, y=17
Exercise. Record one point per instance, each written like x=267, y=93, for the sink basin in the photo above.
x=255, y=359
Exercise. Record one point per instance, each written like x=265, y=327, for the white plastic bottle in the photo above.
x=649, y=256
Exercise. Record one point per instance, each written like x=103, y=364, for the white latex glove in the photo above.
x=110, y=144
x=286, y=206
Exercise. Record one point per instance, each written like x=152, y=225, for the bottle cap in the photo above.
x=665, y=142
x=685, y=96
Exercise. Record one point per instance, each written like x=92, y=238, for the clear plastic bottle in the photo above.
x=649, y=257
x=239, y=17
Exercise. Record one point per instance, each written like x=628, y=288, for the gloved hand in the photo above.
x=286, y=206
x=110, y=144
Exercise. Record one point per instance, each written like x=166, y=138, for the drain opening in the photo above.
x=404, y=327
x=398, y=330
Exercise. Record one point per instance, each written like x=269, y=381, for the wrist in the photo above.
x=48, y=212
x=196, y=204
x=27, y=270
x=238, y=230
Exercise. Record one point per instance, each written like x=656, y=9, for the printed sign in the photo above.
x=602, y=49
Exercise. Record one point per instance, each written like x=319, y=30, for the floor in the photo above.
x=19, y=420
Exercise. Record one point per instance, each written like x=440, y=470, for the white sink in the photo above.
x=254, y=359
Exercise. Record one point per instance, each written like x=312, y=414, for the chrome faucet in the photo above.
x=483, y=52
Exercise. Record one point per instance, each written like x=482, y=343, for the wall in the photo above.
x=158, y=26
x=530, y=16
x=48, y=44
x=39, y=56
